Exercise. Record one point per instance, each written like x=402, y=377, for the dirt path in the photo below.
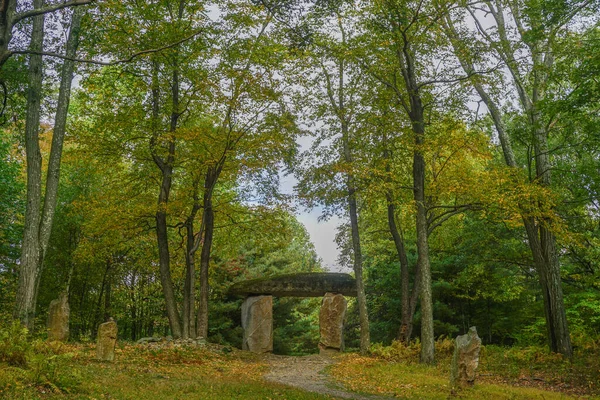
x=307, y=373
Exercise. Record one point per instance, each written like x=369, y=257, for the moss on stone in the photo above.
x=303, y=284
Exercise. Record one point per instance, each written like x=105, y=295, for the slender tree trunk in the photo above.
x=208, y=220
x=406, y=316
x=30, y=250
x=427, y=334
x=38, y=228
x=192, y=243
x=548, y=265
x=189, y=293
x=353, y=211
x=416, y=115
x=166, y=167
x=58, y=136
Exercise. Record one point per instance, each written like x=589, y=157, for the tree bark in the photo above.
x=416, y=115
x=208, y=220
x=356, y=249
x=58, y=135
x=31, y=251
x=38, y=228
x=407, y=312
x=166, y=167
x=189, y=289
x=7, y=11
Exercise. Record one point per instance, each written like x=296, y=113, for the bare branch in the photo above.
x=45, y=10
x=116, y=62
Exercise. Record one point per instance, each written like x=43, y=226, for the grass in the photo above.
x=214, y=372
x=138, y=373
x=504, y=373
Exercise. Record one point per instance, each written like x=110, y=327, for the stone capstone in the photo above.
x=58, y=318
x=305, y=284
x=107, y=340
x=257, y=321
x=331, y=322
x=465, y=359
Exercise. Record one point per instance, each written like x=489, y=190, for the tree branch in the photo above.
x=49, y=9
x=108, y=63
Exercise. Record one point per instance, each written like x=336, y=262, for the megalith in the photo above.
x=58, y=318
x=465, y=359
x=107, y=340
x=257, y=321
x=331, y=322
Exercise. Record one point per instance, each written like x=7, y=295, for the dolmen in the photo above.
x=257, y=308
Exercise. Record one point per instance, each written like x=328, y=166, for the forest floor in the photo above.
x=180, y=371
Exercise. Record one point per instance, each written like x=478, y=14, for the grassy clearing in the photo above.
x=139, y=373
x=513, y=373
x=166, y=371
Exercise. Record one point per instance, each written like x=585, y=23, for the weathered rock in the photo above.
x=257, y=321
x=465, y=359
x=58, y=318
x=107, y=340
x=305, y=284
x=331, y=322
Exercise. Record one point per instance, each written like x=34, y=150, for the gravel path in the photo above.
x=307, y=373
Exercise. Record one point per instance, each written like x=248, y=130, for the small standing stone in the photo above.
x=331, y=322
x=465, y=359
x=257, y=321
x=58, y=318
x=107, y=340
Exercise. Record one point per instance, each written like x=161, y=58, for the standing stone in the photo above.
x=107, y=340
x=58, y=318
x=331, y=322
x=465, y=359
x=257, y=321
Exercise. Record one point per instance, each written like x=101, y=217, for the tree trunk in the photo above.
x=38, y=229
x=208, y=220
x=542, y=241
x=189, y=290
x=548, y=265
x=406, y=317
x=166, y=167
x=416, y=115
x=31, y=251
x=353, y=211
x=405, y=330
x=58, y=135
x=7, y=10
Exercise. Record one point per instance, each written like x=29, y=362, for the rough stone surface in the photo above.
x=305, y=284
x=58, y=318
x=107, y=340
x=331, y=322
x=257, y=321
x=465, y=359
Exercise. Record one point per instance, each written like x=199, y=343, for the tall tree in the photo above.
x=38, y=218
x=526, y=39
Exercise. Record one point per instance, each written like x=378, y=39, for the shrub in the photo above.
x=14, y=345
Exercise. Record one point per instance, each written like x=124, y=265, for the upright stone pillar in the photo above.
x=465, y=359
x=107, y=340
x=331, y=323
x=257, y=321
x=58, y=318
